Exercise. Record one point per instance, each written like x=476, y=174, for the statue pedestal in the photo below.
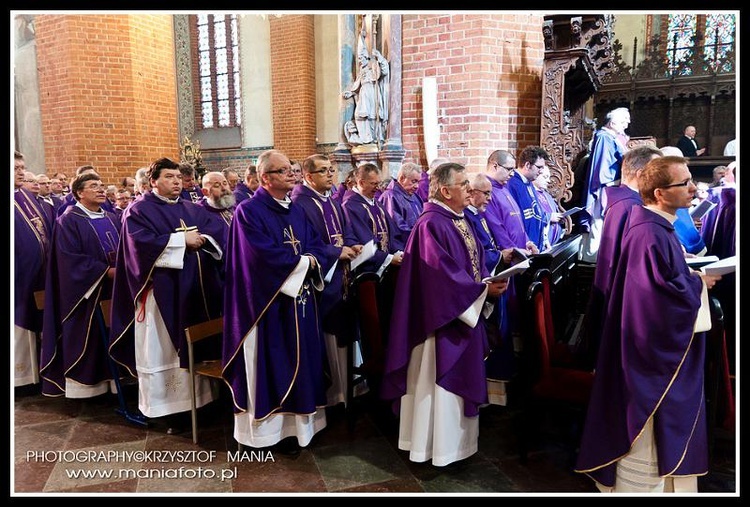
x=365, y=153
x=342, y=157
x=391, y=158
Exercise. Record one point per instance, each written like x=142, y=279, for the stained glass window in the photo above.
x=713, y=33
x=680, y=32
x=720, y=29
x=219, y=70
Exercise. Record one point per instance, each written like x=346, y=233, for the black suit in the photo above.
x=686, y=146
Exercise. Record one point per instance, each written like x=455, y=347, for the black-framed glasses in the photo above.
x=283, y=172
x=540, y=167
x=680, y=184
x=509, y=169
x=330, y=170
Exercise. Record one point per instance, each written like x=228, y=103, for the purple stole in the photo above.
x=109, y=237
x=332, y=220
x=35, y=217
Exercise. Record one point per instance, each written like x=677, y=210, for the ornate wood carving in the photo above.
x=577, y=55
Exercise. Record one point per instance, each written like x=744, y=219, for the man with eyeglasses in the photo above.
x=166, y=279
x=531, y=162
x=402, y=203
x=74, y=357
x=645, y=429
x=274, y=353
x=69, y=200
x=434, y=372
x=328, y=219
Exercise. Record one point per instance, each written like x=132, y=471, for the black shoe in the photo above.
x=177, y=423
x=288, y=447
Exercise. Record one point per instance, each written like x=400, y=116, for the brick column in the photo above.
x=107, y=91
x=293, y=85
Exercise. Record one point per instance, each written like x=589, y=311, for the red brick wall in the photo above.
x=107, y=92
x=293, y=85
x=488, y=70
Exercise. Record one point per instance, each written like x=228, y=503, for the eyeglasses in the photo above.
x=283, y=172
x=487, y=193
x=509, y=169
x=330, y=170
x=680, y=184
x=540, y=167
x=95, y=187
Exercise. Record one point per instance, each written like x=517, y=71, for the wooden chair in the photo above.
x=561, y=390
x=208, y=368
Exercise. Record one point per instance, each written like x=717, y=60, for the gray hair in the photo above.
x=442, y=176
x=408, y=168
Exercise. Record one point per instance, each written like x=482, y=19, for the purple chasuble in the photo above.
x=82, y=250
x=328, y=219
x=32, y=235
x=265, y=244
x=404, y=209
x=369, y=222
x=193, y=194
x=621, y=199
x=440, y=278
x=184, y=296
x=650, y=364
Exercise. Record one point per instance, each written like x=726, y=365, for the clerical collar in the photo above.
x=285, y=202
x=668, y=216
x=165, y=199
x=443, y=205
x=91, y=214
x=323, y=197
x=370, y=201
x=473, y=209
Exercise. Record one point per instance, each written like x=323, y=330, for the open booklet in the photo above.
x=701, y=209
x=513, y=270
x=572, y=211
x=699, y=262
x=368, y=250
x=721, y=267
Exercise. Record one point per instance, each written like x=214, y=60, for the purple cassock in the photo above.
x=505, y=219
x=266, y=243
x=440, y=278
x=193, y=194
x=328, y=219
x=241, y=192
x=82, y=250
x=621, y=199
x=32, y=235
x=605, y=160
x=404, y=209
x=184, y=296
x=650, y=364
x=369, y=222
x=423, y=190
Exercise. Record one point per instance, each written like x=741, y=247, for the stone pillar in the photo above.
x=342, y=154
x=393, y=151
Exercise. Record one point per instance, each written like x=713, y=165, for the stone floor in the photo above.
x=349, y=459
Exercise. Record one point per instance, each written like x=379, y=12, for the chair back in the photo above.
x=39, y=299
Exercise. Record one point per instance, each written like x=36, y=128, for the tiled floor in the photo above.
x=363, y=460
